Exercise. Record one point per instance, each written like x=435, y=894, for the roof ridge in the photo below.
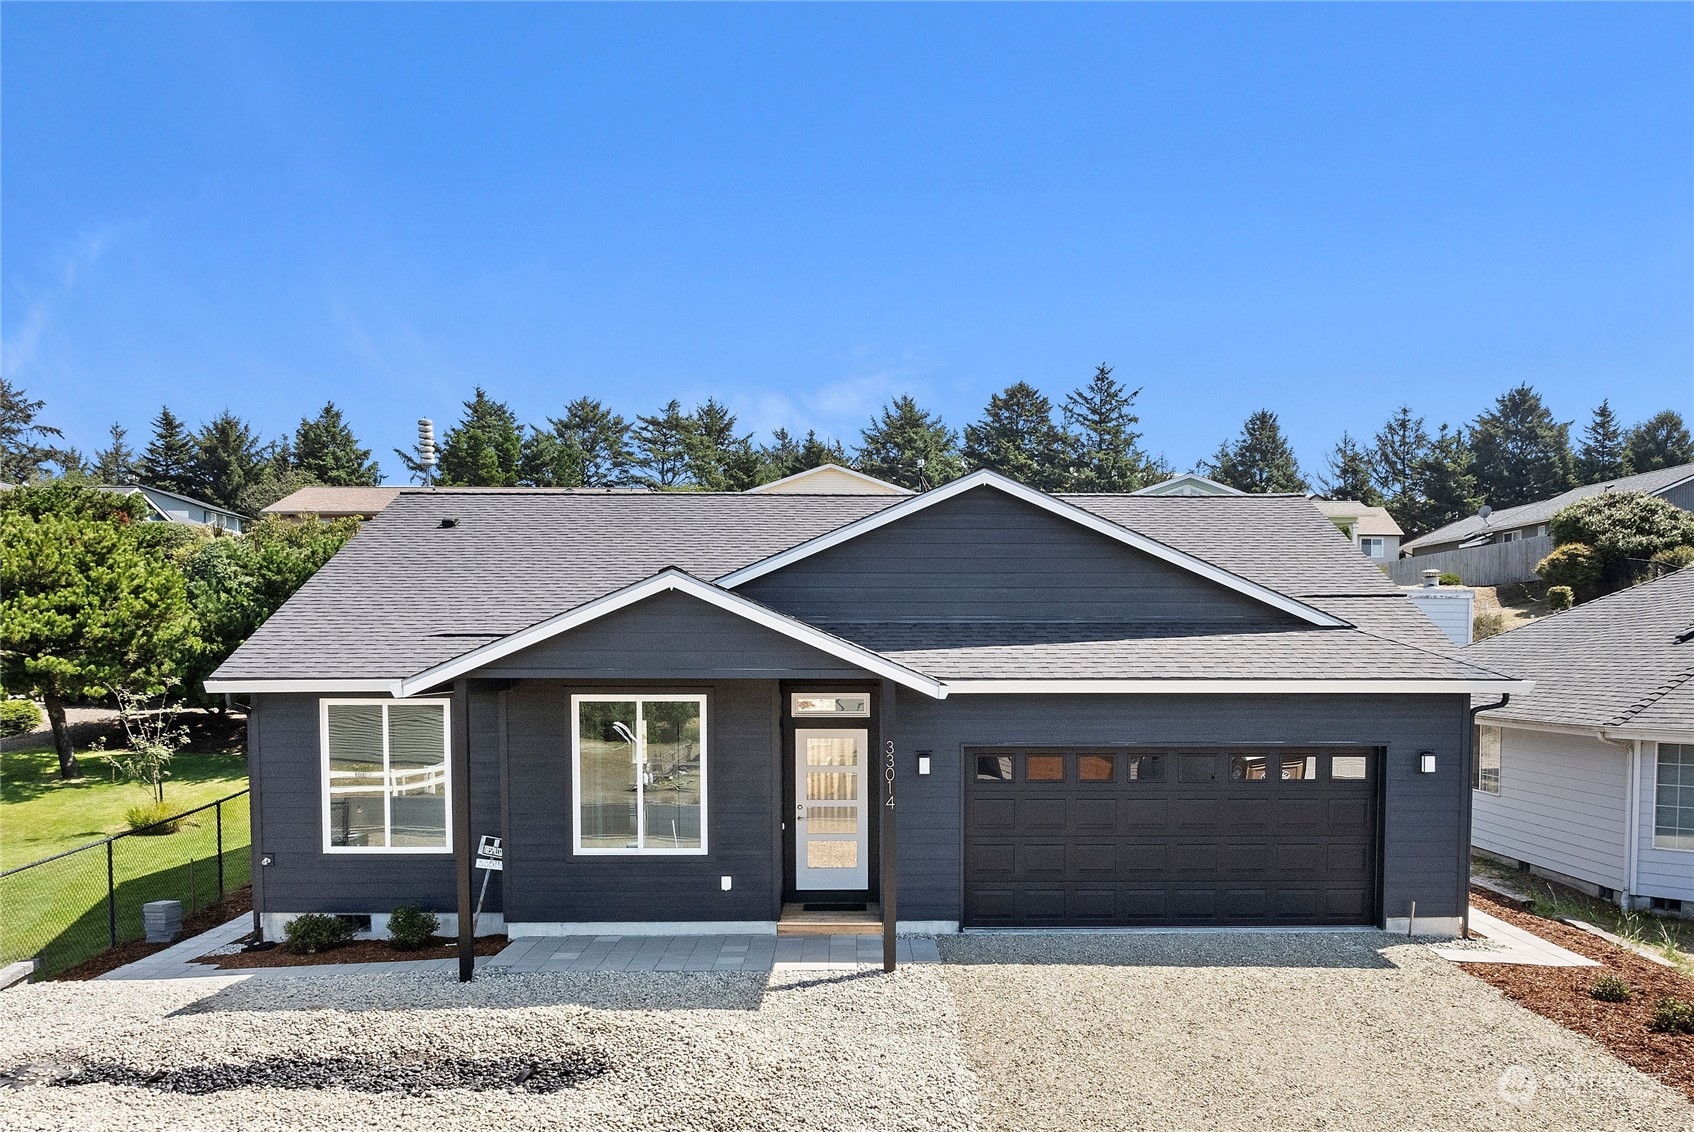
x=1651, y=698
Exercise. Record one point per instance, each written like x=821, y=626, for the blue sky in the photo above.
x=804, y=210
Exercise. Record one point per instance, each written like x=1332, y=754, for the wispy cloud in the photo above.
x=20, y=348
x=840, y=405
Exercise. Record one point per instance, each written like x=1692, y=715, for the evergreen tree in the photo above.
x=23, y=453
x=1017, y=438
x=169, y=459
x=717, y=458
x=1601, y=456
x=547, y=461
x=1520, y=452
x=484, y=448
x=1259, y=460
x=1446, y=485
x=786, y=456
x=1397, y=457
x=326, y=452
x=1106, y=453
x=1660, y=441
x=663, y=442
x=597, y=439
x=900, y=438
x=116, y=463
x=227, y=459
x=1350, y=474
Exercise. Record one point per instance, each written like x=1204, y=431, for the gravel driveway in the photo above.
x=1015, y=1032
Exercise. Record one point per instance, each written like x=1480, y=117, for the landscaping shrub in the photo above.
x=1623, y=524
x=1485, y=625
x=1450, y=579
x=1673, y=1016
x=1560, y=597
x=1610, y=988
x=315, y=932
x=410, y=927
x=1573, y=564
x=148, y=818
x=18, y=717
x=1674, y=558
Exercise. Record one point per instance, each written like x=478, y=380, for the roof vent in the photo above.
x=447, y=524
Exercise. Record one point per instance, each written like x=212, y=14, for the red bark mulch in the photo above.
x=359, y=951
x=1561, y=993
x=207, y=918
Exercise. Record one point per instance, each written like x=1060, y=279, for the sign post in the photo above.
x=491, y=858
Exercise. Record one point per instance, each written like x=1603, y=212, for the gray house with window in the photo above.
x=1590, y=778
x=979, y=706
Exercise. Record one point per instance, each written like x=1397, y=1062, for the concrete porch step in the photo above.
x=797, y=921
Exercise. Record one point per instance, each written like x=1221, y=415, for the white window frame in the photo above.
x=388, y=794
x=1373, y=546
x=1658, y=753
x=639, y=849
x=1510, y=536
x=794, y=708
x=1477, y=782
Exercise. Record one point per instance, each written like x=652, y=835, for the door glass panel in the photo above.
x=609, y=760
x=1198, y=768
x=803, y=704
x=1095, y=768
x=832, y=751
x=1247, y=768
x=832, y=819
x=831, y=786
x=994, y=768
x=1044, y=768
x=417, y=763
x=1146, y=768
x=832, y=854
x=1347, y=766
x=357, y=784
x=1300, y=767
x=672, y=773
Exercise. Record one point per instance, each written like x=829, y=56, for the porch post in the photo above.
x=461, y=789
x=890, y=832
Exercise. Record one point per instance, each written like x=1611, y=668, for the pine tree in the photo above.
x=168, y=461
x=597, y=440
x=484, y=448
x=1447, y=489
x=23, y=455
x=1106, y=453
x=1350, y=474
x=327, y=452
x=1017, y=438
x=547, y=461
x=786, y=456
x=227, y=459
x=717, y=458
x=908, y=446
x=1397, y=457
x=1520, y=452
x=1601, y=456
x=1259, y=460
x=116, y=463
x=662, y=445
x=1660, y=441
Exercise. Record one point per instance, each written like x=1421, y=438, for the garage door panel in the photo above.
x=1243, y=836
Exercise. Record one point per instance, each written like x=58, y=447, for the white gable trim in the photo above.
x=1168, y=687
x=986, y=478
x=664, y=582
x=239, y=684
x=851, y=473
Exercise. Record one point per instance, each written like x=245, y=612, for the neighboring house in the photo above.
x=1188, y=483
x=829, y=479
x=1590, y=778
x=169, y=507
x=687, y=712
x=333, y=503
x=1372, y=529
x=1530, y=520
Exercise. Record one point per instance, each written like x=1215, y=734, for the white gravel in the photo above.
x=828, y=1051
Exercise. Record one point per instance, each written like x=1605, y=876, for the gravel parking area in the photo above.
x=816, y=1050
x=1256, y=1031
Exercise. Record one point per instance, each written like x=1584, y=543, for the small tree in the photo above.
x=154, y=737
x=1575, y=565
x=1602, y=455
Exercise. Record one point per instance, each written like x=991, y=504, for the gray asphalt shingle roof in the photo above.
x=1542, y=510
x=407, y=593
x=1616, y=662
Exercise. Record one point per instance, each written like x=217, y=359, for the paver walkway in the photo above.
x=1520, y=947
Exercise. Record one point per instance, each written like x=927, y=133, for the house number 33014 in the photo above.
x=888, y=773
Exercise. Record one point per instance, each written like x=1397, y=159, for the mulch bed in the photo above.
x=234, y=904
x=1561, y=993
x=359, y=951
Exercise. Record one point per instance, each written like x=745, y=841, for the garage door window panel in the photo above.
x=1044, y=768
x=1096, y=768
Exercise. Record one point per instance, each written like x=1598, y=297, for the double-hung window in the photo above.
x=1485, y=760
x=638, y=774
x=1373, y=547
x=1673, y=797
x=385, y=776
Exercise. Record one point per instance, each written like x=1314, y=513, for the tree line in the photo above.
x=1513, y=452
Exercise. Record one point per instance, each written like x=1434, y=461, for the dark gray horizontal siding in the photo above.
x=986, y=556
x=547, y=883
x=289, y=820
x=671, y=636
x=1422, y=846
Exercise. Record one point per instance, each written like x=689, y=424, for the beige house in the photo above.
x=333, y=502
x=1372, y=529
x=829, y=479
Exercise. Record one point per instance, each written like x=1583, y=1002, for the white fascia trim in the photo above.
x=1646, y=735
x=663, y=582
x=1093, y=522
x=1250, y=687
x=389, y=687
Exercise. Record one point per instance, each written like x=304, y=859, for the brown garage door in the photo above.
x=1255, y=835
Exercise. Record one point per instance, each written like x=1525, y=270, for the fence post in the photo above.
x=220, y=851
x=191, y=884
x=111, y=896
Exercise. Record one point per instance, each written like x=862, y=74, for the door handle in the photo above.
x=800, y=811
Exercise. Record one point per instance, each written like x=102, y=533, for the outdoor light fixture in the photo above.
x=265, y=860
x=1426, y=762
x=923, y=762
x=725, y=881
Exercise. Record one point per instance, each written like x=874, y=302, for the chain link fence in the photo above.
x=69, y=907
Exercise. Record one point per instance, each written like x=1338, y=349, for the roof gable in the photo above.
x=829, y=479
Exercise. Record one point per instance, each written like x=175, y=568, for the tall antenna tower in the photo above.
x=426, y=449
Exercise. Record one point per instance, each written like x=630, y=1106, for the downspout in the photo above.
x=1632, y=818
x=1464, y=826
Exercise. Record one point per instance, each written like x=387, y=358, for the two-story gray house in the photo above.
x=979, y=706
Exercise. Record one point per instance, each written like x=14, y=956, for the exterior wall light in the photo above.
x=1426, y=762
x=923, y=762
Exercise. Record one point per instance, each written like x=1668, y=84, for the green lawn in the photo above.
x=59, y=910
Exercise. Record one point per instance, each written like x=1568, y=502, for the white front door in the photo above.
x=831, y=809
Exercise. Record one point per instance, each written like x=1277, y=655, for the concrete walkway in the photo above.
x=1518, y=946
